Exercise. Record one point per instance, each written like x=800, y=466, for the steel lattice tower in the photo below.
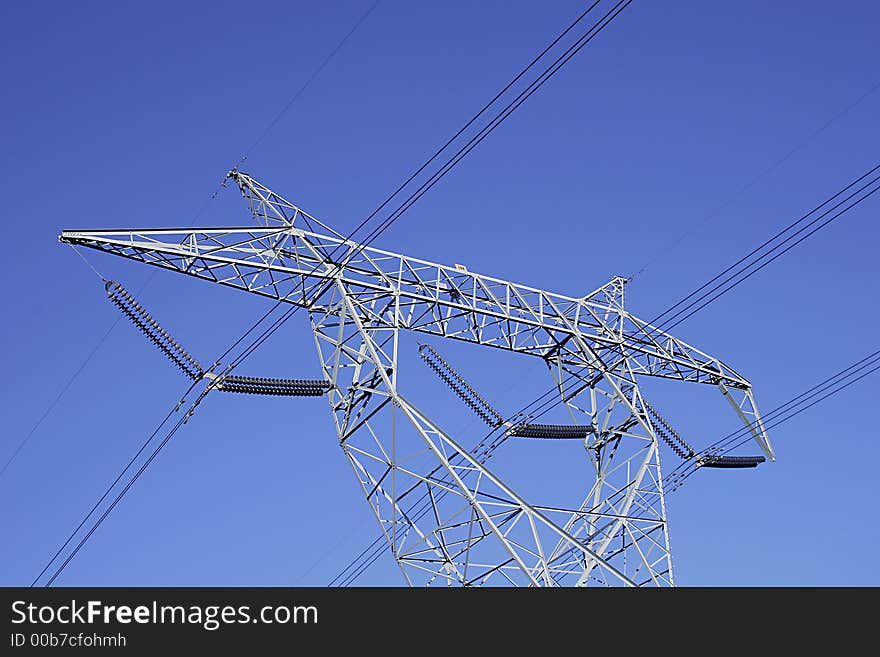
x=476, y=528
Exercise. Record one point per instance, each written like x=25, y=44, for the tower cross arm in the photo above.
x=299, y=266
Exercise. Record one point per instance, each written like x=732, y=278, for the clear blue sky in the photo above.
x=125, y=114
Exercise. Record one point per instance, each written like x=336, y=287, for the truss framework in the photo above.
x=446, y=516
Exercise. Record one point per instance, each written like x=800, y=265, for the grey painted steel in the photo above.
x=479, y=529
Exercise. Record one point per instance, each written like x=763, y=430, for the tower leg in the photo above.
x=446, y=517
x=623, y=517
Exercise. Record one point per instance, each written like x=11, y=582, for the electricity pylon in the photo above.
x=472, y=527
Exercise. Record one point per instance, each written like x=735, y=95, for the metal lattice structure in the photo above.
x=477, y=529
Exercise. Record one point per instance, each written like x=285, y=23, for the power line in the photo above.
x=573, y=377
x=308, y=81
x=551, y=70
x=745, y=273
x=455, y=159
x=856, y=367
x=775, y=257
x=143, y=447
x=784, y=412
x=296, y=96
x=73, y=377
x=677, y=482
x=485, y=448
x=59, y=396
x=667, y=322
x=511, y=107
x=755, y=180
x=601, y=24
x=315, y=73
x=474, y=118
x=110, y=488
x=116, y=500
x=828, y=394
x=378, y=542
x=779, y=421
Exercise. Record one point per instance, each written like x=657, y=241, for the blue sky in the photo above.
x=124, y=115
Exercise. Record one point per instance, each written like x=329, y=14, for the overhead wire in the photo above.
x=784, y=412
x=710, y=300
x=115, y=501
x=484, y=450
x=150, y=438
x=108, y=491
x=375, y=550
x=555, y=67
x=867, y=361
x=773, y=254
x=312, y=77
x=75, y=375
x=573, y=377
x=674, y=480
x=474, y=118
x=775, y=251
x=757, y=178
x=551, y=70
x=289, y=104
x=826, y=395
x=315, y=73
x=511, y=107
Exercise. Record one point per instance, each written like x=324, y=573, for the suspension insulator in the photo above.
x=731, y=461
x=278, y=387
x=669, y=435
x=661, y=431
x=463, y=390
x=154, y=332
x=553, y=431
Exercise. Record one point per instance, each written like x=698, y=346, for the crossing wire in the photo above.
x=106, y=495
x=747, y=270
x=779, y=421
x=320, y=68
x=551, y=70
x=546, y=75
x=856, y=367
x=784, y=412
x=574, y=377
x=775, y=251
x=73, y=377
x=828, y=394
